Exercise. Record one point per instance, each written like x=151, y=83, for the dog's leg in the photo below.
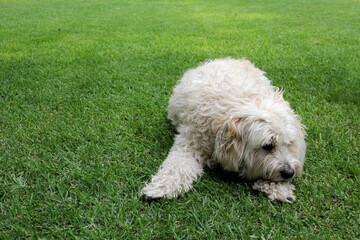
x=282, y=191
x=177, y=173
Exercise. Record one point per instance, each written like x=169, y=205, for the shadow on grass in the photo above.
x=217, y=173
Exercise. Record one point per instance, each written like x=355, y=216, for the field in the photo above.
x=84, y=87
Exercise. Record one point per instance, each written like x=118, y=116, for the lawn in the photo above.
x=84, y=87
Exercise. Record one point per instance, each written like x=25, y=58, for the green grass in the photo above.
x=83, y=95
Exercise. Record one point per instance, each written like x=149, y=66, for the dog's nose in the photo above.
x=287, y=173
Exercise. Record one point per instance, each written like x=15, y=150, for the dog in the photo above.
x=227, y=113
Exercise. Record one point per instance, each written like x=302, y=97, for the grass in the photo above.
x=83, y=96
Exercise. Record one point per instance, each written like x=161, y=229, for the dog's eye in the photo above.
x=268, y=147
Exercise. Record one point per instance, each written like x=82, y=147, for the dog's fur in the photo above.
x=226, y=111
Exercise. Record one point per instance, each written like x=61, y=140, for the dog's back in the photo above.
x=201, y=88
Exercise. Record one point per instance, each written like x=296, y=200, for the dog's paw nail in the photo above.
x=291, y=199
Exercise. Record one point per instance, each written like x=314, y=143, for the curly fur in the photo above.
x=227, y=112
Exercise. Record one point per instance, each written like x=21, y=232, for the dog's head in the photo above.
x=263, y=143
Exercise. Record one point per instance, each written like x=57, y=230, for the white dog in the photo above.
x=226, y=111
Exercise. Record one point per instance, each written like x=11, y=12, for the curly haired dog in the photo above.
x=226, y=111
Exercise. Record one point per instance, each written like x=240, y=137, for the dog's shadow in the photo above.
x=216, y=180
x=218, y=174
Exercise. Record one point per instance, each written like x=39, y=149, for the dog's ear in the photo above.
x=228, y=149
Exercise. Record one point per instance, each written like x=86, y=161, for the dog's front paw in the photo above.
x=282, y=191
x=156, y=190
